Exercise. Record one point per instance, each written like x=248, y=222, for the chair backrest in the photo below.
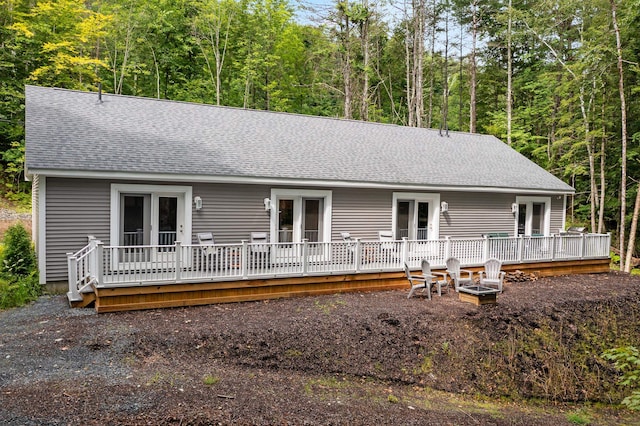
x=407, y=271
x=453, y=266
x=492, y=268
x=385, y=235
x=259, y=241
x=426, y=267
x=205, y=238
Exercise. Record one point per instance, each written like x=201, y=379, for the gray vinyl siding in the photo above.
x=473, y=214
x=231, y=212
x=361, y=212
x=75, y=208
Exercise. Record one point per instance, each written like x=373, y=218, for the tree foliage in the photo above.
x=366, y=60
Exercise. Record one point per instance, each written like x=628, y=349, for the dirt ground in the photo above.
x=357, y=359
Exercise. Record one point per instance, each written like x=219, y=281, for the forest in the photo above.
x=555, y=79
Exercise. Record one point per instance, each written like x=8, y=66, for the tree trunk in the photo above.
x=623, y=113
x=364, y=36
x=418, y=60
x=509, y=75
x=602, y=171
x=432, y=53
x=632, y=232
x=473, y=76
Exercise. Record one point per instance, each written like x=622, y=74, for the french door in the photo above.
x=151, y=219
x=533, y=217
x=146, y=222
x=300, y=215
x=413, y=220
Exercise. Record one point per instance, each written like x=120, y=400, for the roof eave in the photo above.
x=257, y=180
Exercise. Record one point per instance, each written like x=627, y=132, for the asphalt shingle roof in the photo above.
x=71, y=131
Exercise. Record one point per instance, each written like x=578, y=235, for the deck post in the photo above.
x=582, y=245
x=520, y=246
x=447, y=247
x=99, y=255
x=405, y=249
x=485, y=253
x=72, y=263
x=93, y=259
x=553, y=247
x=244, y=259
x=178, y=261
x=357, y=255
x=305, y=257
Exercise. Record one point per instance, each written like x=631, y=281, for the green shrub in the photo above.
x=18, y=291
x=627, y=361
x=18, y=257
x=19, y=283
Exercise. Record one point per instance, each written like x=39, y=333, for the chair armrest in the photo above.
x=467, y=272
x=442, y=274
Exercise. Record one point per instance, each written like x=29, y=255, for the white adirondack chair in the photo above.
x=210, y=252
x=440, y=277
x=456, y=274
x=492, y=276
x=416, y=282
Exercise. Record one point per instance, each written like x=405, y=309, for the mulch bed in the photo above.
x=357, y=359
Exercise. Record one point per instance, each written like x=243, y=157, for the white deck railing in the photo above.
x=111, y=266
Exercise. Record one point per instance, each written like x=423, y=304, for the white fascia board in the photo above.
x=256, y=180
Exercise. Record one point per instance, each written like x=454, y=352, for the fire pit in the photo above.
x=478, y=295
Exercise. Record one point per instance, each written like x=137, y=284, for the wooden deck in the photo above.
x=136, y=297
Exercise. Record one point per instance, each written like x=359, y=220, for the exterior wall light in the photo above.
x=444, y=207
x=267, y=204
x=198, y=202
x=514, y=208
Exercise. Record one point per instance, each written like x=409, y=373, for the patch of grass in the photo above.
x=325, y=383
x=293, y=353
x=210, y=380
x=393, y=399
x=578, y=418
x=426, y=366
x=326, y=308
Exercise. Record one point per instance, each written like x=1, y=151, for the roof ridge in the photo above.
x=258, y=111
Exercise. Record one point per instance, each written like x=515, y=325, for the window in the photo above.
x=534, y=216
x=416, y=216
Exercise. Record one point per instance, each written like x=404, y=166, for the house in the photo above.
x=133, y=171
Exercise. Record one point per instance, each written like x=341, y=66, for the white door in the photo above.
x=150, y=220
x=300, y=215
x=413, y=220
x=533, y=217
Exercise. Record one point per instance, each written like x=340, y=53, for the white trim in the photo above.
x=41, y=224
x=277, y=193
x=529, y=201
x=157, y=190
x=434, y=210
x=564, y=213
x=257, y=180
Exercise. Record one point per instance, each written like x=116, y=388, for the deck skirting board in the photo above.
x=192, y=294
